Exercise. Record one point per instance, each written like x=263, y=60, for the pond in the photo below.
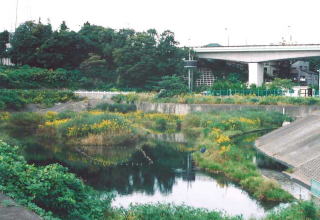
x=155, y=171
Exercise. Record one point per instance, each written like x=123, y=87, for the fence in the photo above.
x=261, y=92
x=99, y=94
x=256, y=92
x=315, y=187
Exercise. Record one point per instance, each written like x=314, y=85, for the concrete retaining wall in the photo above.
x=173, y=108
x=98, y=94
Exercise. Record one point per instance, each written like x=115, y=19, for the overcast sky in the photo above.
x=196, y=22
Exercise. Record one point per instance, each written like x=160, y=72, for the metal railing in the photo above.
x=256, y=92
x=262, y=92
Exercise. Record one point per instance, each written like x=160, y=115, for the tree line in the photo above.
x=97, y=57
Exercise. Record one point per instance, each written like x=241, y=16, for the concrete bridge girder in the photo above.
x=258, y=57
x=255, y=56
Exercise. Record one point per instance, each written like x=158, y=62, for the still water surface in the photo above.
x=169, y=177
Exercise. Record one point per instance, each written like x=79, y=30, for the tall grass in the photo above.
x=167, y=212
x=235, y=99
x=305, y=210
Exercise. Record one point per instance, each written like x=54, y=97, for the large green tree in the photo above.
x=64, y=49
x=124, y=58
x=146, y=57
x=26, y=42
x=4, y=39
x=136, y=61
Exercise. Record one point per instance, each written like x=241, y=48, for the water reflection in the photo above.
x=203, y=192
x=154, y=171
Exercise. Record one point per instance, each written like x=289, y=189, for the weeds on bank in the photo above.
x=214, y=132
x=93, y=127
x=203, y=99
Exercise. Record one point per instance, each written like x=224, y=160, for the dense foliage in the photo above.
x=105, y=57
x=26, y=77
x=4, y=39
x=17, y=99
x=48, y=189
x=170, y=86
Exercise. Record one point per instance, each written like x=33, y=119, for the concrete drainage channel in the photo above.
x=297, y=146
x=9, y=210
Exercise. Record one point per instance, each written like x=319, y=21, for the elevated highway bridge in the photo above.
x=256, y=55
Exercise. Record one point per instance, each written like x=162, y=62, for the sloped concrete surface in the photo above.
x=11, y=211
x=298, y=146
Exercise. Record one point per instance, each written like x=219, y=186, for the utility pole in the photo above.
x=190, y=64
x=17, y=6
x=228, y=37
x=290, y=34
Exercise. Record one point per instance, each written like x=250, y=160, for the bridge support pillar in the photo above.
x=256, y=74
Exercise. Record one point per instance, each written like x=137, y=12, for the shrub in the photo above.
x=160, y=124
x=17, y=99
x=11, y=99
x=125, y=99
x=48, y=189
x=170, y=86
x=123, y=108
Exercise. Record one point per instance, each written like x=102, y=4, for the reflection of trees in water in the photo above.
x=149, y=177
x=134, y=173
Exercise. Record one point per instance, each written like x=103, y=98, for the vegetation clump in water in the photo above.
x=215, y=131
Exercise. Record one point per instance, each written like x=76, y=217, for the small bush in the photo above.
x=170, y=86
x=123, y=108
x=125, y=99
x=160, y=124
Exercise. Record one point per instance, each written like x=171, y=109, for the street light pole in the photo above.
x=318, y=82
x=189, y=74
x=190, y=64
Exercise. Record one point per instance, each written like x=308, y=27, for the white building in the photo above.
x=6, y=62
